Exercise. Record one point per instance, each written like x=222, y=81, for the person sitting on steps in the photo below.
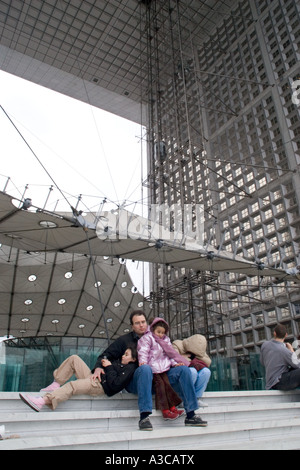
x=280, y=361
x=141, y=384
x=114, y=377
x=153, y=349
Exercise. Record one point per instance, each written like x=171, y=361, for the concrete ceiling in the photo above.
x=96, y=50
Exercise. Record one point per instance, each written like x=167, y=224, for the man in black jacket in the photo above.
x=116, y=349
x=141, y=384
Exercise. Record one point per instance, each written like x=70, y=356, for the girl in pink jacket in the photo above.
x=155, y=349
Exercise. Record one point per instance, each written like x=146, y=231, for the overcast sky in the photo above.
x=86, y=151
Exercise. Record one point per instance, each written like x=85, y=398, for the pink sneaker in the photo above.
x=36, y=403
x=51, y=387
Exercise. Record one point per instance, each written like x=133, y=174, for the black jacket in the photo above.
x=117, y=348
x=116, y=377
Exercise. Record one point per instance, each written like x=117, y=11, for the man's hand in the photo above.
x=97, y=374
x=289, y=346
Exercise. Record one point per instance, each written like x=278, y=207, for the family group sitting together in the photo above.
x=142, y=362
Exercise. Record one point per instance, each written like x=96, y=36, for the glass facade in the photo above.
x=230, y=125
x=27, y=364
x=236, y=373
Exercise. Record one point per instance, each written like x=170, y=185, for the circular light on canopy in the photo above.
x=28, y=302
x=16, y=203
x=11, y=235
x=47, y=224
x=61, y=301
x=32, y=278
x=68, y=275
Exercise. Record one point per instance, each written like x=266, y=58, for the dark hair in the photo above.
x=161, y=324
x=133, y=349
x=136, y=313
x=280, y=331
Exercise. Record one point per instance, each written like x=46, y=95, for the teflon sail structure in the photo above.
x=121, y=235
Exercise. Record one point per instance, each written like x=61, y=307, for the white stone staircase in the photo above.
x=236, y=421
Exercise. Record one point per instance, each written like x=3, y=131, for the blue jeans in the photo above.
x=180, y=379
x=200, y=380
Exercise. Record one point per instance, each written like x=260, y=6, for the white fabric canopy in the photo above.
x=48, y=232
x=44, y=290
x=50, y=264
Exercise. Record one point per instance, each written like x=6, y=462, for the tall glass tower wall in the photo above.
x=225, y=133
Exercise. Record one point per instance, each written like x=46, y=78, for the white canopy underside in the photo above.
x=48, y=245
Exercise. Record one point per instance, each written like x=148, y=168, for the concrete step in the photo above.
x=236, y=420
x=30, y=422
x=128, y=401
x=218, y=437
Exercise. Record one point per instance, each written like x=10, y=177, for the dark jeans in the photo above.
x=289, y=380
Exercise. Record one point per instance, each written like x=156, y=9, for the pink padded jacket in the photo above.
x=151, y=353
